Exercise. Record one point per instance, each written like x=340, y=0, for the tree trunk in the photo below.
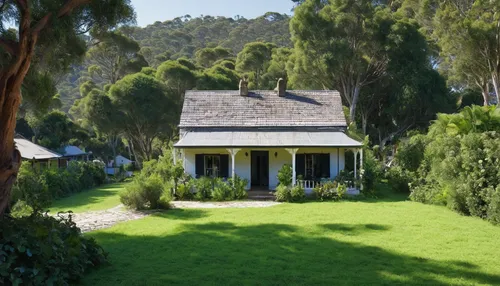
x=10, y=158
x=494, y=79
x=354, y=104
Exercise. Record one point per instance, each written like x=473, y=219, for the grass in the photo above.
x=381, y=242
x=100, y=198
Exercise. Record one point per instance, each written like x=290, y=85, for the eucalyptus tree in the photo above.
x=254, y=60
x=114, y=56
x=47, y=32
x=342, y=44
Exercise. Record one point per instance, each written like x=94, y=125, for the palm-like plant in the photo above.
x=470, y=119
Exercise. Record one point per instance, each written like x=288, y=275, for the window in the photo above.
x=316, y=166
x=212, y=165
x=43, y=165
x=309, y=158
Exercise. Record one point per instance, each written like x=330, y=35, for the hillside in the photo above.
x=183, y=36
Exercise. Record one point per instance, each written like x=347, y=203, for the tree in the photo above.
x=467, y=34
x=208, y=56
x=54, y=130
x=104, y=117
x=176, y=76
x=342, y=42
x=148, y=109
x=113, y=57
x=66, y=20
x=254, y=59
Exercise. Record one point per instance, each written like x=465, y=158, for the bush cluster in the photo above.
x=455, y=164
x=38, y=188
x=330, y=191
x=42, y=250
x=153, y=187
x=160, y=181
x=290, y=194
x=215, y=189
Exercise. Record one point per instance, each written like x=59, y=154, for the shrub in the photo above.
x=372, y=171
x=297, y=193
x=283, y=193
x=239, y=186
x=184, y=191
x=399, y=179
x=146, y=193
x=494, y=206
x=39, y=188
x=285, y=175
x=42, y=250
x=31, y=188
x=203, y=188
x=411, y=153
x=330, y=191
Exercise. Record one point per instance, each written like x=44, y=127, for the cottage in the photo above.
x=254, y=133
x=38, y=156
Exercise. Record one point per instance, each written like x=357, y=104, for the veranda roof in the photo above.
x=266, y=139
x=30, y=150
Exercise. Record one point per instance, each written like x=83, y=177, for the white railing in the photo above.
x=308, y=184
x=311, y=184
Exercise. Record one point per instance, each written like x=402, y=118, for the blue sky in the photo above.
x=150, y=11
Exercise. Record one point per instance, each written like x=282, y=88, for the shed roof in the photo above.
x=73, y=151
x=30, y=150
x=262, y=108
x=266, y=139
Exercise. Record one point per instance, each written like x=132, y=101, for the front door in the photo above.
x=260, y=168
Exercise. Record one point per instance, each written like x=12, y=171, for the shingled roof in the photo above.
x=298, y=108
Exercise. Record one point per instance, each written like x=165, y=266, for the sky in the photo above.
x=150, y=11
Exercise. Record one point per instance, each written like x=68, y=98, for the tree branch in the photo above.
x=9, y=46
x=64, y=11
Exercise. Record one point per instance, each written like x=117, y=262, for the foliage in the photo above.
x=39, y=188
x=399, y=179
x=290, y=194
x=147, y=108
x=283, y=193
x=146, y=193
x=217, y=189
x=285, y=175
x=42, y=250
x=460, y=163
x=330, y=191
x=371, y=172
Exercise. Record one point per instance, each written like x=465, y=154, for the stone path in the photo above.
x=89, y=221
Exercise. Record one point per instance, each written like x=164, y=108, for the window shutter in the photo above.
x=224, y=166
x=200, y=165
x=300, y=164
x=325, y=165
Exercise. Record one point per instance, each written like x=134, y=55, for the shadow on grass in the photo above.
x=267, y=254
x=354, y=229
x=88, y=197
x=182, y=214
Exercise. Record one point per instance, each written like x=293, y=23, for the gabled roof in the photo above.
x=30, y=150
x=298, y=108
x=73, y=151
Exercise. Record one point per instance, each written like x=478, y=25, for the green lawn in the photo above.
x=100, y=198
x=354, y=243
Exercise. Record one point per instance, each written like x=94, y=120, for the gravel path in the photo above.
x=90, y=221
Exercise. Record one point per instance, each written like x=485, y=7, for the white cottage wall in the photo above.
x=277, y=158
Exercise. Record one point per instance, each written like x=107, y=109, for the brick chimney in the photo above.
x=281, y=87
x=244, y=87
